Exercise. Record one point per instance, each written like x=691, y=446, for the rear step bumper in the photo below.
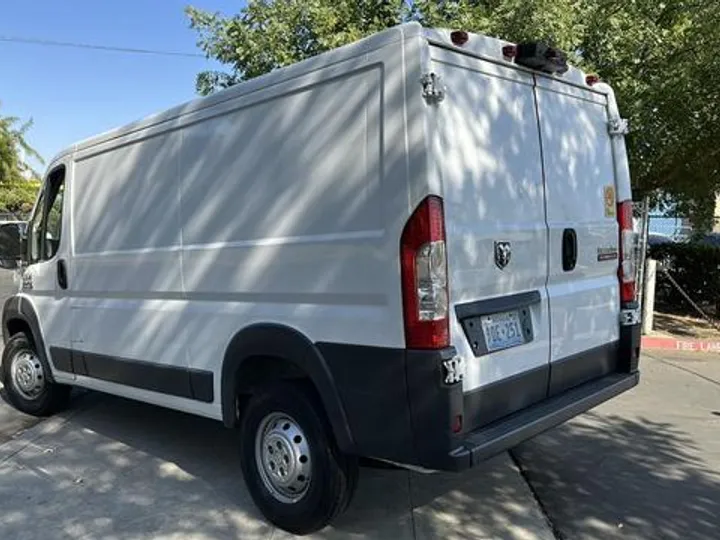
x=402, y=406
x=507, y=433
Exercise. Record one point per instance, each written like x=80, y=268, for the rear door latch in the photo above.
x=433, y=89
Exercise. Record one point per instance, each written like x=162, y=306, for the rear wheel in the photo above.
x=294, y=471
x=25, y=377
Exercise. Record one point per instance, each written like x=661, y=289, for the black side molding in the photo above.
x=582, y=367
x=489, y=403
x=62, y=359
x=484, y=405
x=497, y=305
x=170, y=380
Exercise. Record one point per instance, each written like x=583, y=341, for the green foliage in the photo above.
x=696, y=268
x=18, y=197
x=267, y=35
x=660, y=57
x=18, y=183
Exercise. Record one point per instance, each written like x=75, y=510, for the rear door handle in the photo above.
x=569, y=250
x=62, y=274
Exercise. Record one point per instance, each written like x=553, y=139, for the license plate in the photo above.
x=502, y=330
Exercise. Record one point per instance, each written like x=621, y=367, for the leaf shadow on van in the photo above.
x=255, y=211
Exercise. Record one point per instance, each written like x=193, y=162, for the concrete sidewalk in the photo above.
x=11, y=420
x=112, y=468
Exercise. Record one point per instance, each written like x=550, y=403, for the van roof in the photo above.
x=490, y=48
x=328, y=58
x=478, y=45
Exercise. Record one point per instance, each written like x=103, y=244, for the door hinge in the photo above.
x=433, y=89
x=630, y=317
x=454, y=370
x=618, y=127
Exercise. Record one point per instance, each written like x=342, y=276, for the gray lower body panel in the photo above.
x=504, y=434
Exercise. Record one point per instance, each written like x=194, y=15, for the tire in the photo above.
x=288, y=418
x=31, y=391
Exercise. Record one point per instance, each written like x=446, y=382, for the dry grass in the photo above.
x=685, y=327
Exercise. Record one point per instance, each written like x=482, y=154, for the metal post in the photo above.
x=649, y=295
x=641, y=252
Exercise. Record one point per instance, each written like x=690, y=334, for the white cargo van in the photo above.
x=414, y=248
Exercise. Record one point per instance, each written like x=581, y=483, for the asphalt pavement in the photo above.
x=645, y=465
x=113, y=468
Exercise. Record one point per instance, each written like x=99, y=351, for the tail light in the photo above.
x=423, y=263
x=626, y=271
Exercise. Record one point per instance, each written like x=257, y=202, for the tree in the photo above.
x=660, y=57
x=18, y=182
x=267, y=34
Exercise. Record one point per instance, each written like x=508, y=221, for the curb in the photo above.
x=676, y=344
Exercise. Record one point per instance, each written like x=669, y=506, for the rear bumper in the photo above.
x=507, y=433
x=400, y=407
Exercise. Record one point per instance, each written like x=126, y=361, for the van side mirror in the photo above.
x=12, y=244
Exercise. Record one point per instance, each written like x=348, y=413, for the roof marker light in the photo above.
x=459, y=37
x=509, y=51
x=592, y=79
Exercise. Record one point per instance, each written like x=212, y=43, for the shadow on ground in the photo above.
x=128, y=470
x=12, y=421
x=605, y=476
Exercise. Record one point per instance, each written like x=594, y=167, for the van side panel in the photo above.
x=125, y=278
x=292, y=205
x=283, y=206
x=126, y=196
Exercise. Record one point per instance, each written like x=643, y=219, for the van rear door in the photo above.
x=486, y=158
x=583, y=287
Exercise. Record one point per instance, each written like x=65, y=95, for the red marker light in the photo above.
x=457, y=424
x=592, y=79
x=459, y=37
x=509, y=51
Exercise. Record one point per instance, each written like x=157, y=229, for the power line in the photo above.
x=50, y=43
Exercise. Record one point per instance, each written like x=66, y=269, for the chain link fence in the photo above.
x=688, y=265
x=663, y=228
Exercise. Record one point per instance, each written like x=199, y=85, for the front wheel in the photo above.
x=294, y=471
x=25, y=378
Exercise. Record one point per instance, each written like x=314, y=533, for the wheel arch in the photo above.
x=19, y=316
x=275, y=341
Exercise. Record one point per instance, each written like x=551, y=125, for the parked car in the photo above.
x=710, y=239
x=405, y=249
x=11, y=233
x=658, y=239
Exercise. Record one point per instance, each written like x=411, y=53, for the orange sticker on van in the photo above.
x=609, y=200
